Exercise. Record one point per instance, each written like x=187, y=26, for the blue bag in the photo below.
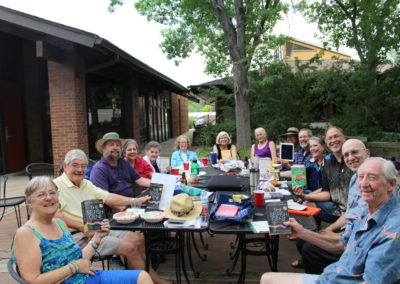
x=246, y=209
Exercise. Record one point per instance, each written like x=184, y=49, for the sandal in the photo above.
x=298, y=263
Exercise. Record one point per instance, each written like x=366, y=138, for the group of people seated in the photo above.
x=358, y=195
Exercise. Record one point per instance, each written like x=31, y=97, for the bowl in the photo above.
x=153, y=216
x=125, y=217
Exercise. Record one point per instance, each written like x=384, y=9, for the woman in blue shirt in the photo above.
x=182, y=153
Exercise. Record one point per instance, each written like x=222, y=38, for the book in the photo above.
x=227, y=210
x=299, y=176
x=277, y=213
x=93, y=214
x=259, y=227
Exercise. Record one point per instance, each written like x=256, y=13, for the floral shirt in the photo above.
x=371, y=249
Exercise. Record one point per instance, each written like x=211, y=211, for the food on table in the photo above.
x=125, y=216
x=153, y=216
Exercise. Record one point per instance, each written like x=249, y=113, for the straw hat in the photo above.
x=182, y=207
x=291, y=131
x=108, y=136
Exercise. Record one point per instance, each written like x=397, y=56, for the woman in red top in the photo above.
x=130, y=153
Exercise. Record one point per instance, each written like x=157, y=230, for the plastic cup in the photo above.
x=204, y=161
x=213, y=158
x=175, y=171
x=258, y=198
x=186, y=166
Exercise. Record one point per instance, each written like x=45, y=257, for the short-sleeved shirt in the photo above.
x=117, y=179
x=335, y=179
x=300, y=158
x=371, y=249
x=71, y=196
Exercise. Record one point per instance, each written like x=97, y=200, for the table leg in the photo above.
x=188, y=237
x=181, y=252
x=241, y=246
x=202, y=257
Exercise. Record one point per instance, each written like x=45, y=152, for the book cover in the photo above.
x=299, y=176
x=277, y=213
x=93, y=214
x=259, y=227
x=226, y=210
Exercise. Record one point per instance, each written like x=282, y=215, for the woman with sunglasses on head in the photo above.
x=45, y=253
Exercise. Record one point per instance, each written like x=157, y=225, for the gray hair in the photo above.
x=75, y=154
x=388, y=169
x=334, y=127
x=309, y=132
x=262, y=130
x=319, y=140
x=152, y=144
x=222, y=134
x=37, y=183
x=127, y=143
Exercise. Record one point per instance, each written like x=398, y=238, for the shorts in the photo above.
x=310, y=278
x=114, y=277
x=109, y=245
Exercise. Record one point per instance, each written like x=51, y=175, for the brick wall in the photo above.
x=179, y=110
x=67, y=107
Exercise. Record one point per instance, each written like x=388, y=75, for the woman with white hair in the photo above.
x=223, y=147
x=264, y=148
x=45, y=252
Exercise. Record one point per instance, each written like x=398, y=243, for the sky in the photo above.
x=132, y=32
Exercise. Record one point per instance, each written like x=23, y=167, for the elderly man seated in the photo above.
x=370, y=245
x=73, y=190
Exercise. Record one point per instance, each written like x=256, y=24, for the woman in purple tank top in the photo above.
x=264, y=148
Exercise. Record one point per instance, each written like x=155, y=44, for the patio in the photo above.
x=213, y=270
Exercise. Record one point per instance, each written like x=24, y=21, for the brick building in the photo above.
x=63, y=88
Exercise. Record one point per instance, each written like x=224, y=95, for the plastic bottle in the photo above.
x=204, y=211
x=195, y=168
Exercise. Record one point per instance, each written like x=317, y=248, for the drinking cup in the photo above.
x=204, y=161
x=175, y=171
x=186, y=166
x=258, y=198
x=213, y=158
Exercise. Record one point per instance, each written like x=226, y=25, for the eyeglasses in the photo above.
x=336, y=136
x=79, y=166
x=43, y=195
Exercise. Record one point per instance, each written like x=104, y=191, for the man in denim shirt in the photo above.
x=370, y=245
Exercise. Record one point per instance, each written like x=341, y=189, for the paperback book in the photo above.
x=277, y=213
x=93, y=215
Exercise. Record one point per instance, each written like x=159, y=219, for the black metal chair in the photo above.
x=41, y=169
x=13, y=270
x=11, y=201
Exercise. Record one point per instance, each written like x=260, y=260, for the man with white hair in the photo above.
x=370, y=245
x=74, y=189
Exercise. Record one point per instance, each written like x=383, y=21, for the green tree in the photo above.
x=233, y=36
x=371, y=27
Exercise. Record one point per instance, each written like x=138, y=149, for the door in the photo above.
x=13, y=127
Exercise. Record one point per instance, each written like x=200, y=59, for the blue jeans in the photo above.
x=326, y=212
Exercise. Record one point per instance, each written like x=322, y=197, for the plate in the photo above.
x=240, y=197
x=125, y=217
x=153, y=216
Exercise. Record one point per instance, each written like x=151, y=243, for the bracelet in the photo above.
x=76, y=266
x=72, y=268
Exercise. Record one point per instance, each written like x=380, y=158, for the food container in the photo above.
x=153, y=216
x=126, y=217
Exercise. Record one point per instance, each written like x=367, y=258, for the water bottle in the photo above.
x=204, y=210
x=195, y=168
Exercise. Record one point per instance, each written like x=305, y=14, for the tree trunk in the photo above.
x=241, y=91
